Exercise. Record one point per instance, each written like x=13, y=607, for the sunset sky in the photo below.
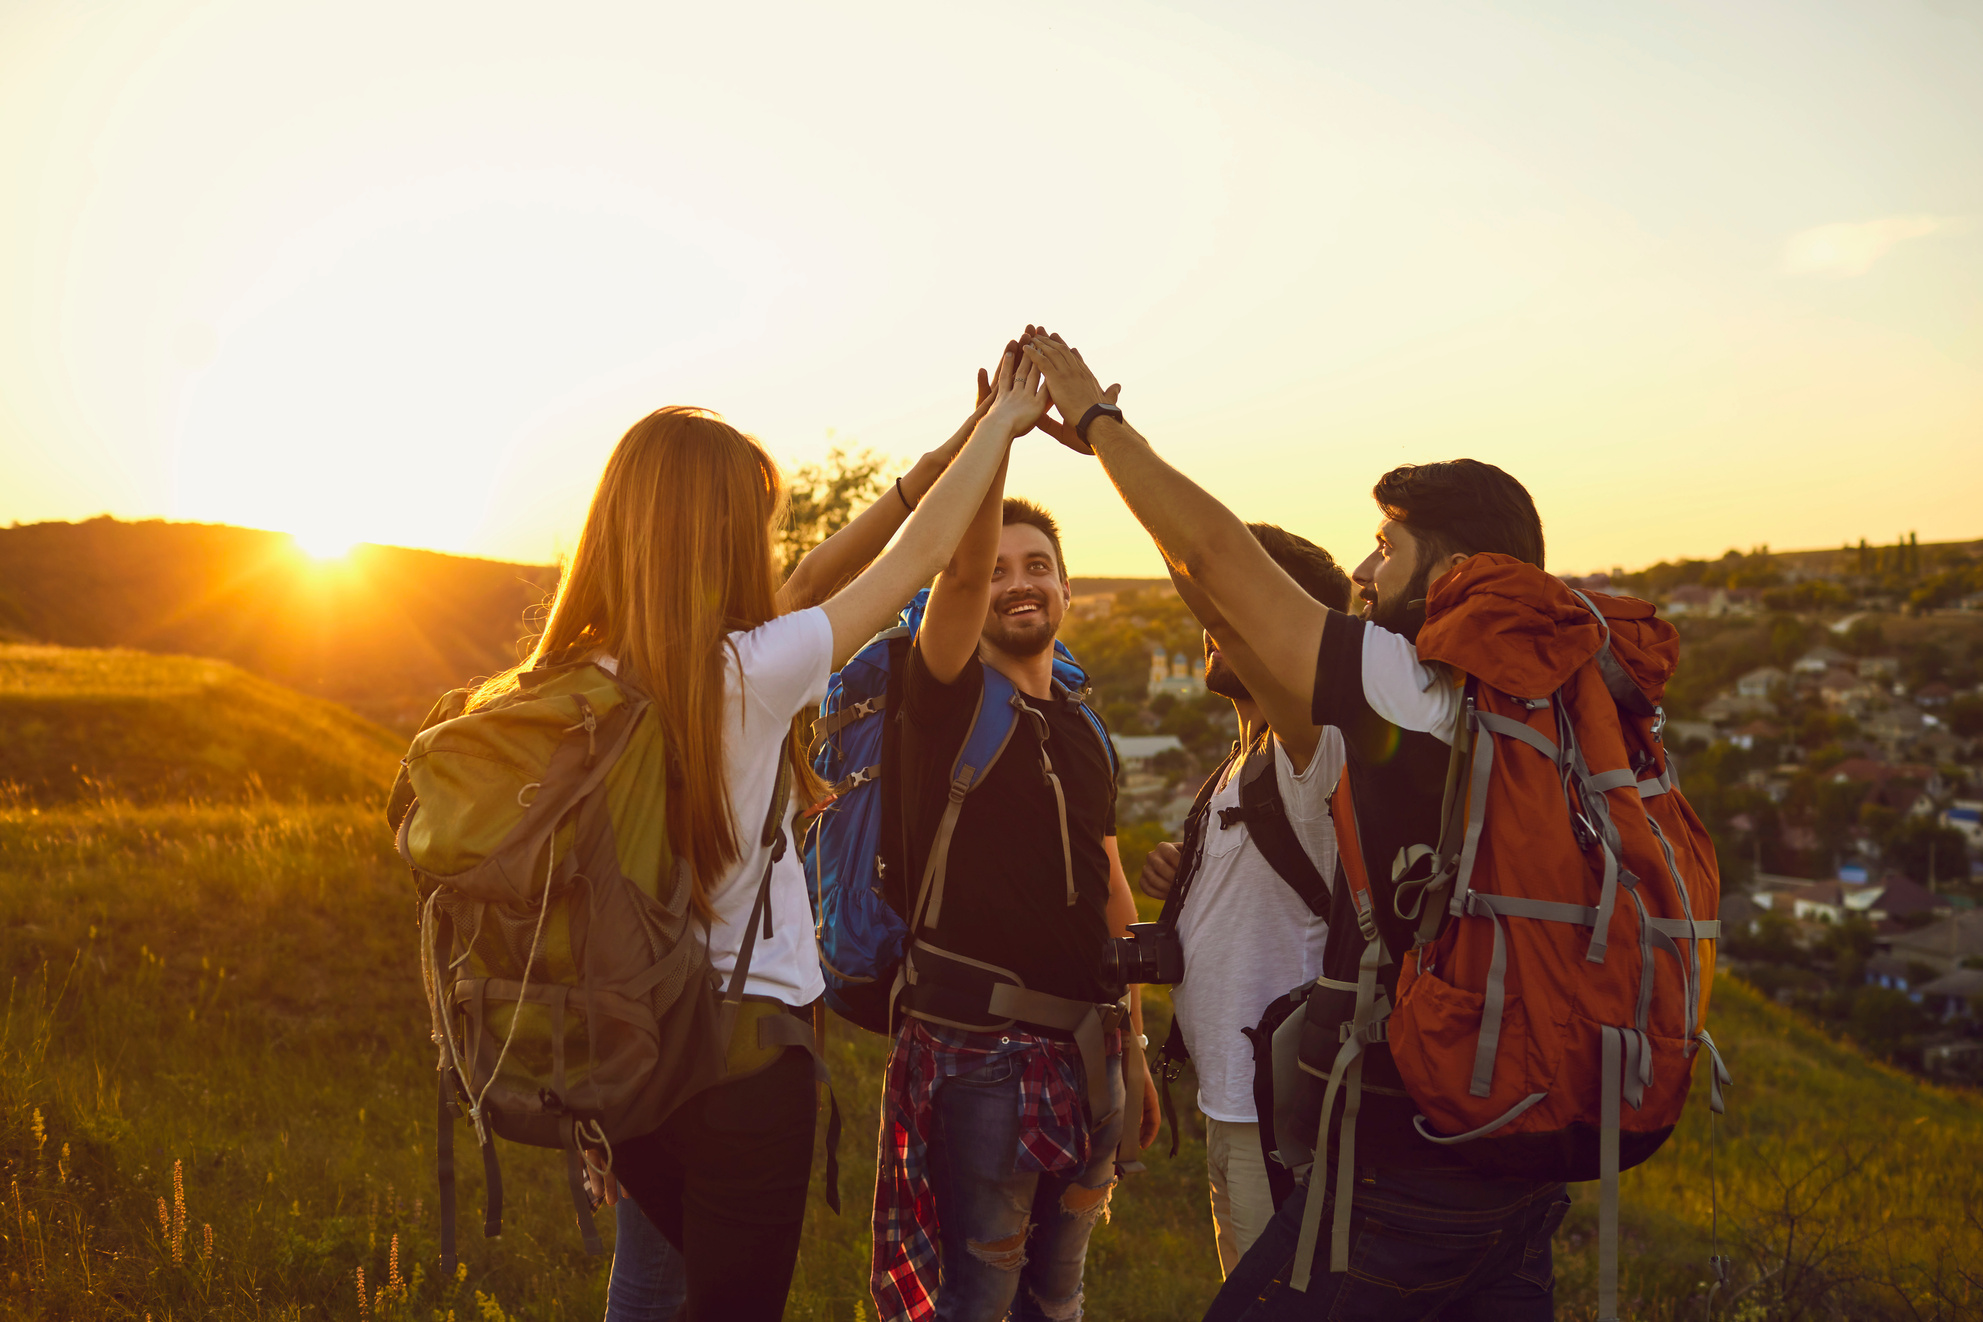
x=1701, y=275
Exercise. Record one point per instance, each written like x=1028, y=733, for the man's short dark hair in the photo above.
x=1462, y=507
x=1020, y=510
x=1313, y=569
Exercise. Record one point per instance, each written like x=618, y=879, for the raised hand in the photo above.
x=1019, y=395
x=1073, y=386
x=948, y=450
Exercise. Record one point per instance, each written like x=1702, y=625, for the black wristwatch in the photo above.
x=1095, y=411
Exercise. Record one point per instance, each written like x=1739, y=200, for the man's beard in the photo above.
x=1222, y=679
x=1025, y=637
x=1402, y=613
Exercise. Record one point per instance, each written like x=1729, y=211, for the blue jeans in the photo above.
x=1004, y=1228
x=1445, y=1245
x=649, y=1281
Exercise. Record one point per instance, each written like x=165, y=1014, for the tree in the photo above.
x=1865, y=638
x=1773, y=942
x=1849, y=944
x=1966, y=717
x=1928, y=851
x=1811, y=595
x=1789, y=637
x=824, y=497
x=1115, y=652
x=1884, y=1021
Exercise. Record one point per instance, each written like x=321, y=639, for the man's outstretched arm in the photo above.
x=1287, y=713
x=1200, y=538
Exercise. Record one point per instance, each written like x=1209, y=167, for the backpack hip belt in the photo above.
x=940, y=987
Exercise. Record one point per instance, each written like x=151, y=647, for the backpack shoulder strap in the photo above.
x=1266, y=819
x=1095, y=724
x=772, y=837
x=991, y=730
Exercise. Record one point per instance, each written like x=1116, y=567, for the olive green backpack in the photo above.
x=569, y=988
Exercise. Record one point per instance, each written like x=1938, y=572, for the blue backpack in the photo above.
x=857, y=855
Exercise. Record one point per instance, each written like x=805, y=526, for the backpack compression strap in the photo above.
x=1366, y=1025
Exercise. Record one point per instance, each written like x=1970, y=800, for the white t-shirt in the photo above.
x=1247, y=936
x=786, y=663
x=1407, y=692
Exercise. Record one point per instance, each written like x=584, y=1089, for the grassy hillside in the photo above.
x=231, y=990
x=80, y=723
x=383, y=630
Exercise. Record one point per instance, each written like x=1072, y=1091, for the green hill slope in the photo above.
x=86, y=724
x=234, y=988
x=383, y=630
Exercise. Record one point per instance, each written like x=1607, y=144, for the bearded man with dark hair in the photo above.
x=1411, y=1198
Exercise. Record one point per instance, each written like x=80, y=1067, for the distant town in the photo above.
x=1828, y=725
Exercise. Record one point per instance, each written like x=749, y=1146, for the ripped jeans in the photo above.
x=1013, y=1241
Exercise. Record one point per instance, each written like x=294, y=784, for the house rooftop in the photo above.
x=1963, y=983
x=1865, y=768
x=1131, y=747
x=1904, y=895
x=1957, y=937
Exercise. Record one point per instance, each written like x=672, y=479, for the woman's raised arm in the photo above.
x=829, y=566
x=865, y=606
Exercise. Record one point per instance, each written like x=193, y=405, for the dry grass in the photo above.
x=216, y=1101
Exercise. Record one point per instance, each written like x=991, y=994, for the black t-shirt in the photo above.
x=1398, y=781
x=1005, y=891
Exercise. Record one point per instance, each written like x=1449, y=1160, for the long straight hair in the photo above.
x=676, y=553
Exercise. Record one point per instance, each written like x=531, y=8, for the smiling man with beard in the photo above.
x=1010, y=1087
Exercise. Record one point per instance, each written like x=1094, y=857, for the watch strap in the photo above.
x=1095, y=411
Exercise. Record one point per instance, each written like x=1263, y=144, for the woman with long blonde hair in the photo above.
x=673, y=583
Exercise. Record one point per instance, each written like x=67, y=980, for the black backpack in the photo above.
x=1265, y=817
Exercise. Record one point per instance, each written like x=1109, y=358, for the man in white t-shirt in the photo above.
x=1250, y=934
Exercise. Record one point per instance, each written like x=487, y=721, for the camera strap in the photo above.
x=1192, y=849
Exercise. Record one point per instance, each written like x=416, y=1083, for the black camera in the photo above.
x=1150, y=953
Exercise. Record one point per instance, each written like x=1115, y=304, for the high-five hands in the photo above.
x=1019, y=394
x=1074, y=388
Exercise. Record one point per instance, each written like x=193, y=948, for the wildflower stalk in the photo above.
x=178, y=1213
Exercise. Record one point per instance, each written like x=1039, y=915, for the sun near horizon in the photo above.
x=325, y=545
x=1699, y=279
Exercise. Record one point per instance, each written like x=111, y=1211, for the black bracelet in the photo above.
x=905, y=496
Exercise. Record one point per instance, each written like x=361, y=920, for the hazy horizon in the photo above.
x=1700, y=276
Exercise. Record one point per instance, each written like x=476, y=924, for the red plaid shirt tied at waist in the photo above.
x=1053, y=1137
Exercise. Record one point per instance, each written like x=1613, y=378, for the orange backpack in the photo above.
x=1548, y=1016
